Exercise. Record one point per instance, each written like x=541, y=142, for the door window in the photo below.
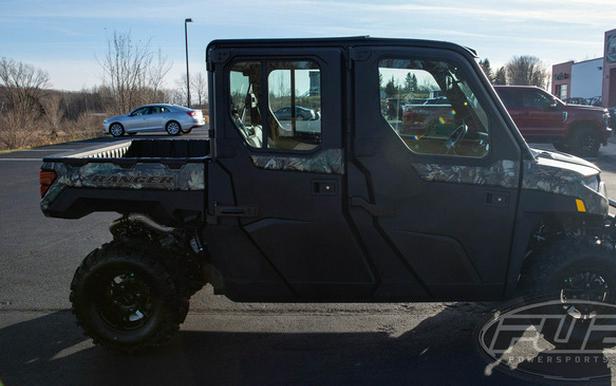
x=432, y=107
x=535, y=99
x=292, y=110
x=140, y=111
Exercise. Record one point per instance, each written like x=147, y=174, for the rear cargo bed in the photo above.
x=164, y=179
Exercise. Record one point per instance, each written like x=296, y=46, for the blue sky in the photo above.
x=66, y=37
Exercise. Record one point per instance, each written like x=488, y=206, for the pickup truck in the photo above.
x=349, y=211
x=542, y=117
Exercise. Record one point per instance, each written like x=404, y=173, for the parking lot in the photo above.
x=221, y=342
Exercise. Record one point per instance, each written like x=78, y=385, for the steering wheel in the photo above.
x=457, y=135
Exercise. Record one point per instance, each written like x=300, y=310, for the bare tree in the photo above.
x=23, y=85
x=133, y=73
x=54, y=115
x=198, y=85
x=157, y=71
x=527, y=70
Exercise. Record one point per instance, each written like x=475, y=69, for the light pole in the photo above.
x=186, y=21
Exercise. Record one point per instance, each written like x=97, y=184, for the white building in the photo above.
x=587, y=78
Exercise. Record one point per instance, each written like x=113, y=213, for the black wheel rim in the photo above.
x=124, y=299
x=589, y=286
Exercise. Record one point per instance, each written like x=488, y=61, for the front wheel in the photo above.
x=124, y=299
x=571, y=270
x=173, y=128
x=116, y=130
x=585, y=142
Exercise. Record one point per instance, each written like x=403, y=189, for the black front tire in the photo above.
x=571, y=269
x=124, y=299
x=585, y=142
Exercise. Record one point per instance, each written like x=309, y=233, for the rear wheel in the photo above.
x=173, y=128
x=124, y=299
x=116, y=130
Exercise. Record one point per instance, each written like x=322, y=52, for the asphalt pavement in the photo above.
x=221, y=342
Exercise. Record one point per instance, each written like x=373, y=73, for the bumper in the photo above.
x=192, y=123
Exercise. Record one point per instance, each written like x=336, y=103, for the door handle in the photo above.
x=235, y=211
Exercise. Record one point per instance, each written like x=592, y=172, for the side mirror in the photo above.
x=554, y=105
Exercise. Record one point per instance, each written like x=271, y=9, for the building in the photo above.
x=609, y=69
x=592, y=80
x=578, y=79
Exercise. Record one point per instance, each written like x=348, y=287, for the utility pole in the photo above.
x=186, y=21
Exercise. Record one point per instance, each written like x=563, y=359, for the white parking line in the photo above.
x=20, y=159
x=45, y=150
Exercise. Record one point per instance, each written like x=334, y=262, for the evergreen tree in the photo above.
x=390, y=87
x=501, y=76
x=410, y=82
x=487, y=69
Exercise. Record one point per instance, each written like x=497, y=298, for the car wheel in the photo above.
x=124, y=298
x=116, y=130
x=585, y=143
x=186, y=131
x=173, y=128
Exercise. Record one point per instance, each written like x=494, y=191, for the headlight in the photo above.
x=592, y=182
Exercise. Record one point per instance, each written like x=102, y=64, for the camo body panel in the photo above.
x=558, y=178
x=326, y=161
x=103, y=175
x=563, y=181
x=504, y=173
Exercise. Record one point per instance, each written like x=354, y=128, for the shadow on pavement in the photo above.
x=51, y=350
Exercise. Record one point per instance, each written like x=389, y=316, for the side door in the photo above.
x=545, y=116
x=444, y=199
x=282, y=231
x=136, y=119
x=154, y=118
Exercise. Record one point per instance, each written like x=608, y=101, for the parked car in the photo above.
x=416, y=118
x=542, y=117
x=301, y=113
x=173, y=119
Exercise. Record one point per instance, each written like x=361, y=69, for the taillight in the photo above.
x=46, y=178
x=191, y=113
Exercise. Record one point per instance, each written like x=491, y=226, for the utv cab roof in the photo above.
x=346, y=42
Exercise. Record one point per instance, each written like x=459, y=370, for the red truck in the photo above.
x=542, y=117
